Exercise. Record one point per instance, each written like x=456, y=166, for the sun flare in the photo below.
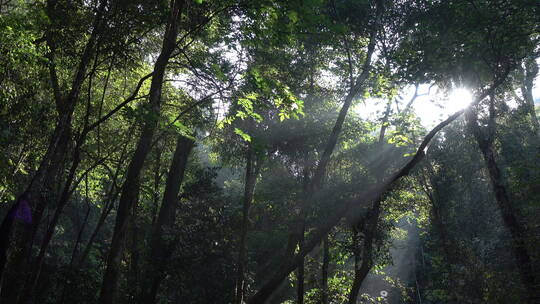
x=458, y=99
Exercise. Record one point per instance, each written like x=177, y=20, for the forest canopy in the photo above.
x=269, y=151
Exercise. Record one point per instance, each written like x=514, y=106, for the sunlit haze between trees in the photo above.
x=269, y=152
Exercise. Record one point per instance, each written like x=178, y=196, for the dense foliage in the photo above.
x=196, y=151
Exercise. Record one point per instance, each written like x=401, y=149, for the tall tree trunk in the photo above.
x=357, y=252
x=301, y=234
x=48, y=171
x=300, y=275
x=111, y=197
x=530, y=73
x=131, y=183
x=354, y=207
x=363, y=256
x=325, y=264
x=160, y=249
x=70, y=274
x=134, y=254
x=508, y=211
x=320, y=170
x=157, y=183
x=252, y=170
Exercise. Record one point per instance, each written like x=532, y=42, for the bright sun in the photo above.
x=431, y=106
x=458, y=99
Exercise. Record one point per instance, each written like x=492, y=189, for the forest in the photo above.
x=269, y=151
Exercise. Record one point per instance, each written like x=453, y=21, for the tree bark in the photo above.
x=301, y=234
x=134, y=254
x=131, y=183
x=111, y=197
x=252, y=170
x=357, y=251
x=160, y=248
x=320, y=170
x=508, y=211
x=355, y=207
x=363, y=256
x=48, y=170
x=530, y=73
x=326, y=262
x=300, y=275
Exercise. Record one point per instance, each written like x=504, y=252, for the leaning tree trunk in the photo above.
x=131, y=183
x=363, y=259
x=508, y=211
x=316, y=181
x=160, y=248
x=48, y=171
x=363, y=265
x=354, y=207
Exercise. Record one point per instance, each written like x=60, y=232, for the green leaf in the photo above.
x=293, y=16
x=244, y=136
x=183, y=130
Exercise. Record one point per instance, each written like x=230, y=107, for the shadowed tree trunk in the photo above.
x=131, y=183
x=160, y=248
x=326, y=262
x=356, y=87
x=357, y=252
x=508, y=211
x=530, y=73
x=316, y=182
x=368, y=226
x=41, y=188
x=300, y=276
x=301, y=237
x=252, y=170
x=363, y=257
x=354, y=207
x=111, y=197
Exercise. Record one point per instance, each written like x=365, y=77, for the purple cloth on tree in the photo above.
x=23, y=212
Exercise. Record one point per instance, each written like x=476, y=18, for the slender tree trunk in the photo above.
x=301, y=270
x=103, y=216
x=31, y=284
x=326, y=262
x=111, y=197
x=320, y=171
x=357, y=252
x=354, y=207
x=76, y=246
x=363, y=265
x=252, y=170
x=131, y=184
x=363, y=256
x=531, y=71
x=83, y=227
x=134, y=254
x=302, y=230
x=48, y=172
x=160, y=248
x=157, y=183
x=508, y=211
